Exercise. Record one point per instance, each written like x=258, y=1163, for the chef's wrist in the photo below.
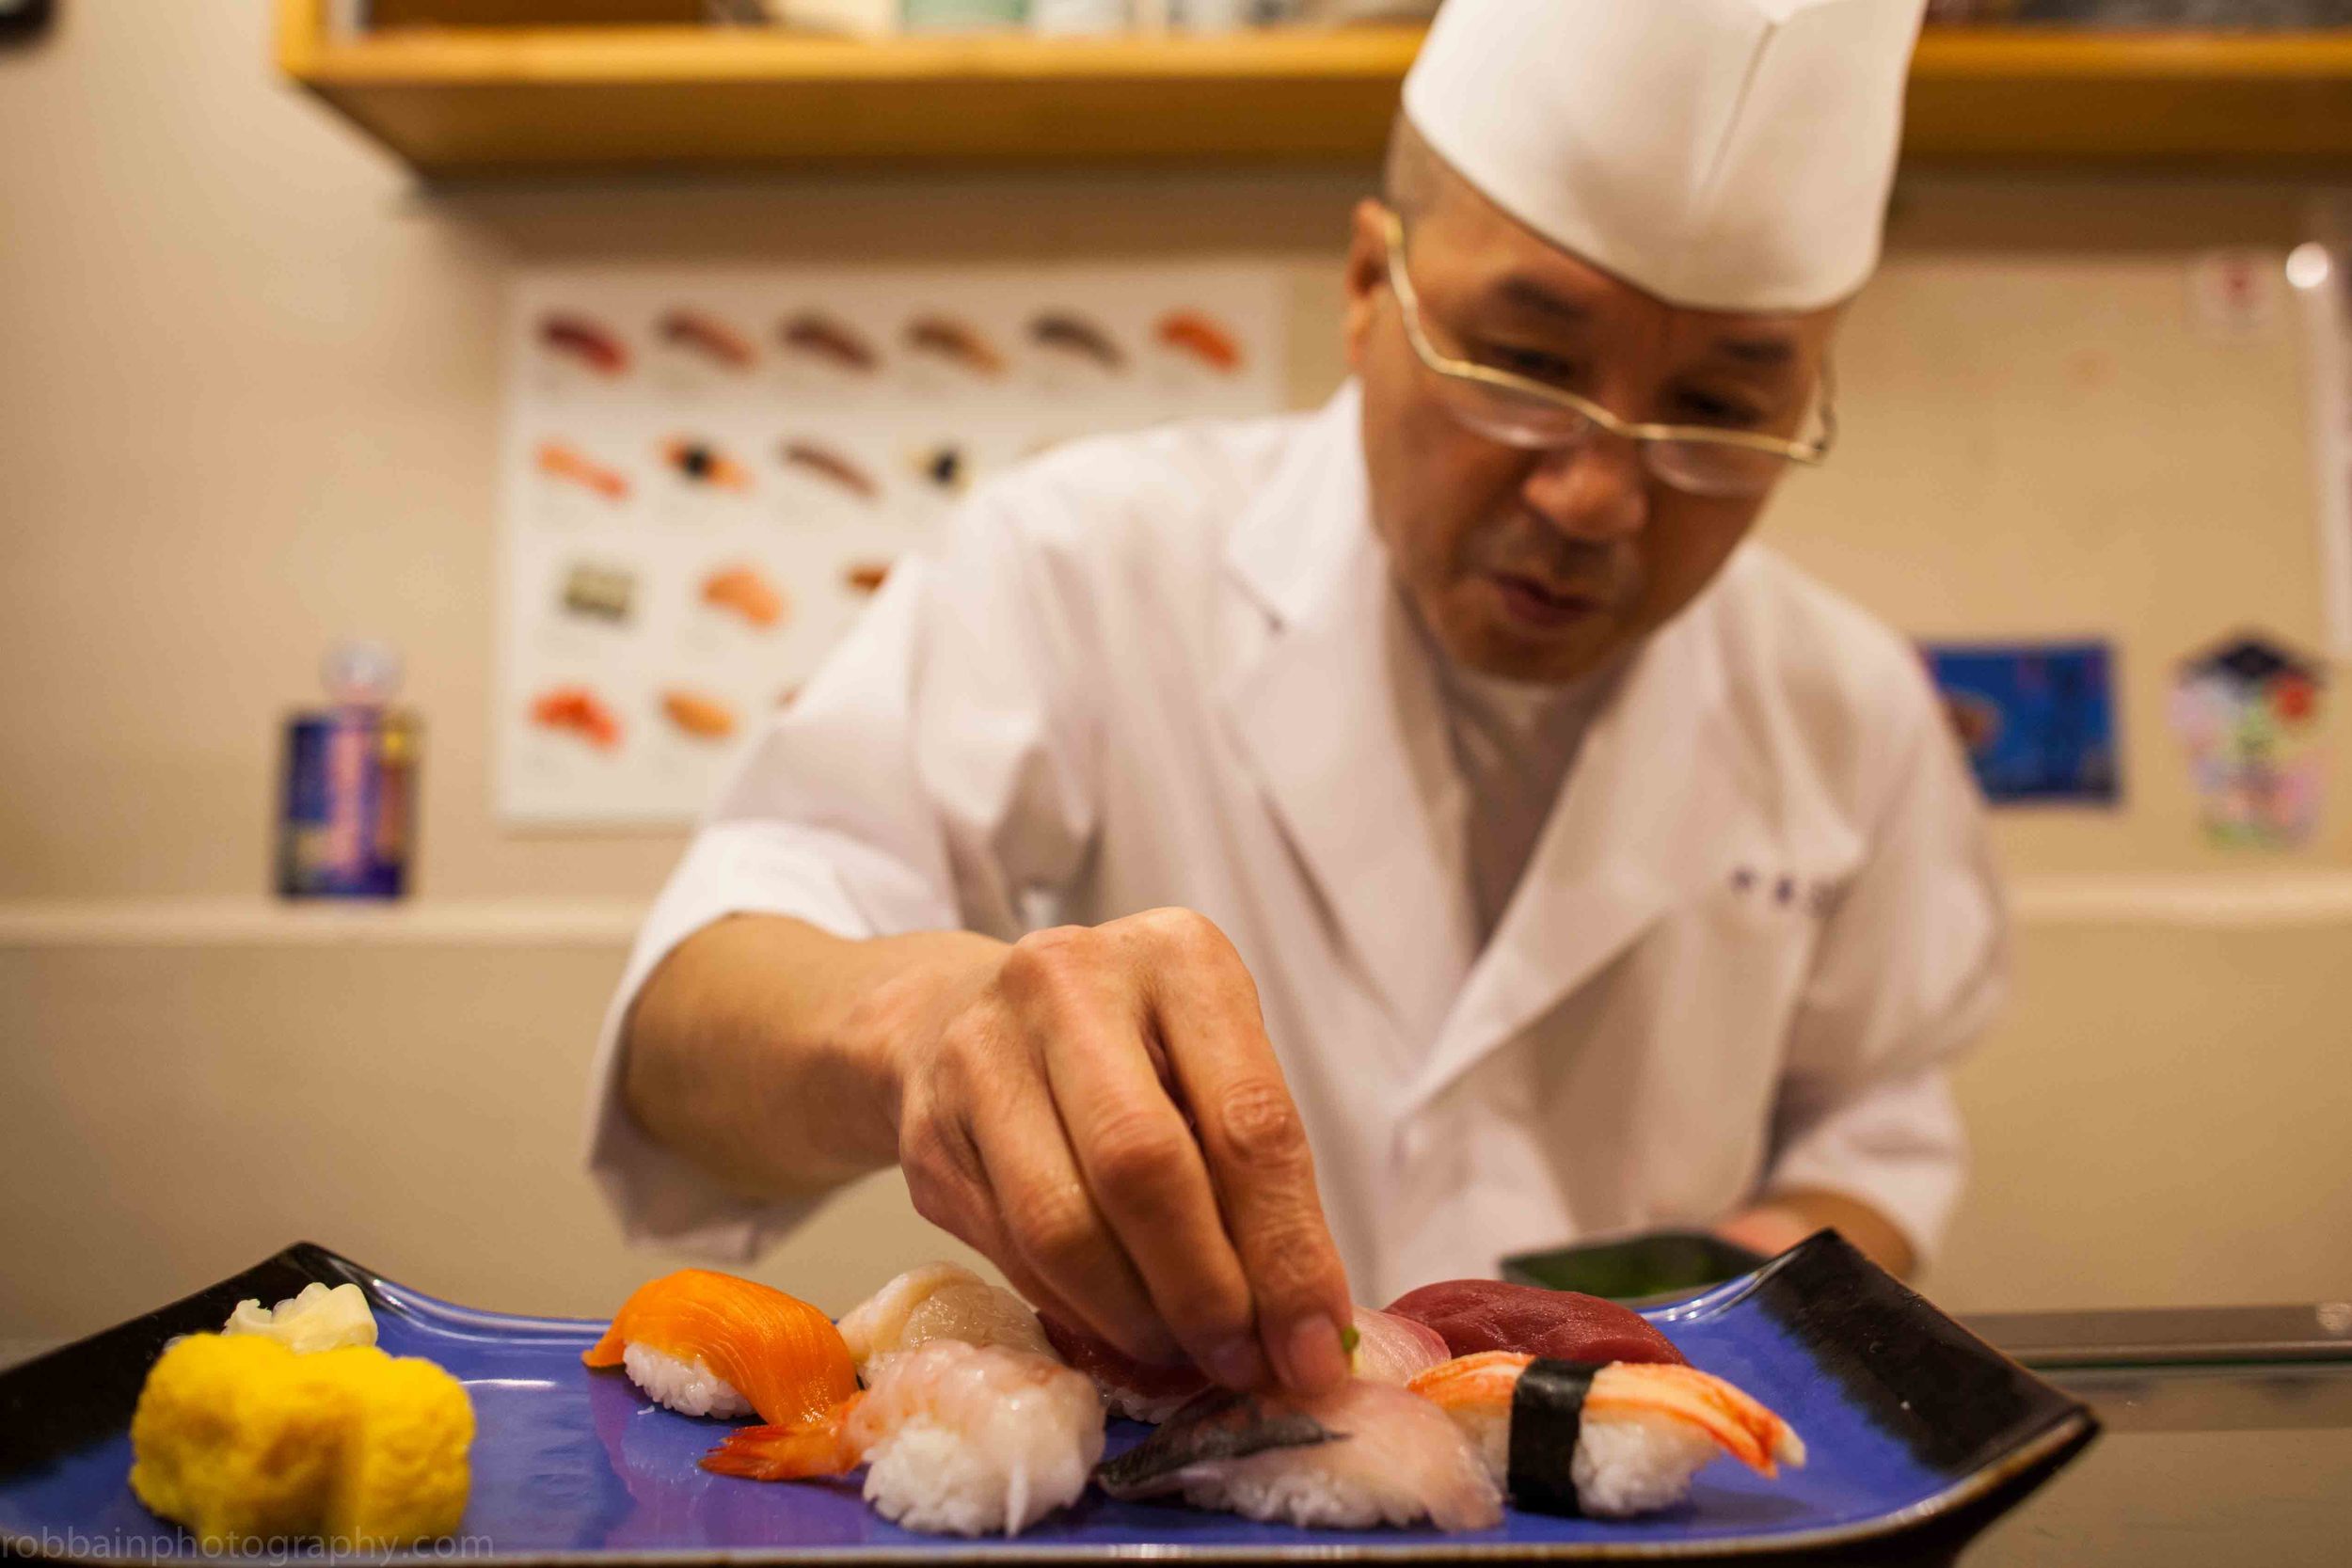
x=1769, y=1229
x=915, y=987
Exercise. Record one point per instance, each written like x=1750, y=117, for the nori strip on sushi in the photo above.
x=1547, y=1418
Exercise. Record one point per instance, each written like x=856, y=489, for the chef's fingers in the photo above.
x=946, y=1182
x=1249, y=1127
x=1050, y=1219
x=1082, y=997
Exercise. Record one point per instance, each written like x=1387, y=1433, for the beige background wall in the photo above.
x=248, y=402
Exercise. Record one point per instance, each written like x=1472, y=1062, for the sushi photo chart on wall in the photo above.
x=707, y=474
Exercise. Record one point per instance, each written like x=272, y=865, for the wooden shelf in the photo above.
x=2211, y=99
x=489, y=100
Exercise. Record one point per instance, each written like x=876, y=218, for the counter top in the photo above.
x=2198, y=1465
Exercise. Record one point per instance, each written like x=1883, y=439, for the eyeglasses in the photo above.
x=1519, y=411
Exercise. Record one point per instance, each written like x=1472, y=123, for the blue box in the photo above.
x=2037, y=718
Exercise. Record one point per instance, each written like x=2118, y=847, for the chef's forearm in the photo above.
x=761, y=1049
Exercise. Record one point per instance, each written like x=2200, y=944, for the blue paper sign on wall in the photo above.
x=2038, y=718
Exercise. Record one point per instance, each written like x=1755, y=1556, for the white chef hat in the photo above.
x=1720, y=154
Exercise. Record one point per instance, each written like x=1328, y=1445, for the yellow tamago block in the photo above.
x=234, y=1437
x=403, y=1475
x=242, y=1439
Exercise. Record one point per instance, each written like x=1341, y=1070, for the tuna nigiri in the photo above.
x=1613, y=1440
x=1472, y=1315
x=1367, y=1453
x=710, y=1344
x=964, y=1439
x=940, y=1301
x=1137, y=1389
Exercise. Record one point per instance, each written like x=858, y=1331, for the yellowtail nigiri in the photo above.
x=940, y=1301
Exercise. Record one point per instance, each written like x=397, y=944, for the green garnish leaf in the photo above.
x=1350, y=1339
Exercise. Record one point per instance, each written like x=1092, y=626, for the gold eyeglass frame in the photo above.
x=1806, y=453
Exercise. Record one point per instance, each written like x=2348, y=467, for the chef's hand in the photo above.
x=1099, y=1111
x=1784, y=1219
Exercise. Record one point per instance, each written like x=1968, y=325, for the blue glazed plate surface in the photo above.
x=1914, y=1428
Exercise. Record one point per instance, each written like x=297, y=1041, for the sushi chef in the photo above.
x=1252, y=862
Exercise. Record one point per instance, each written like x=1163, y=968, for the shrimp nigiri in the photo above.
x=1610, y=1439
x=1365, y=1455
x=710, y=1344
x=956, y=1438
x=940, y=1301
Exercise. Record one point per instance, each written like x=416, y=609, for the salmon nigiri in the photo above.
x=710, y=1344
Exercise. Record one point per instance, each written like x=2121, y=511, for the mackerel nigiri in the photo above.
x=711, y=1344
x=1364, y=1455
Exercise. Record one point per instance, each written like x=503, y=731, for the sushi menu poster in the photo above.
x=707, y=474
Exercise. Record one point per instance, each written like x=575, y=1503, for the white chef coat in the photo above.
x=1167, y=669
x=1513, y=744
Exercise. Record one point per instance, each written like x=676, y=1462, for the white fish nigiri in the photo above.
x=958, y=1439
x=1368, y=1454
x=940, y=1301
x=1620, y=1438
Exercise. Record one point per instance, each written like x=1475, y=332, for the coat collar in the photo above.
x=1329, y=710
x=1650, y=816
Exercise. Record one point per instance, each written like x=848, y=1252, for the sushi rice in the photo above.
x=927, y=1478
x=957, y=1440
x=689, y=1387
x=1637, y=1464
